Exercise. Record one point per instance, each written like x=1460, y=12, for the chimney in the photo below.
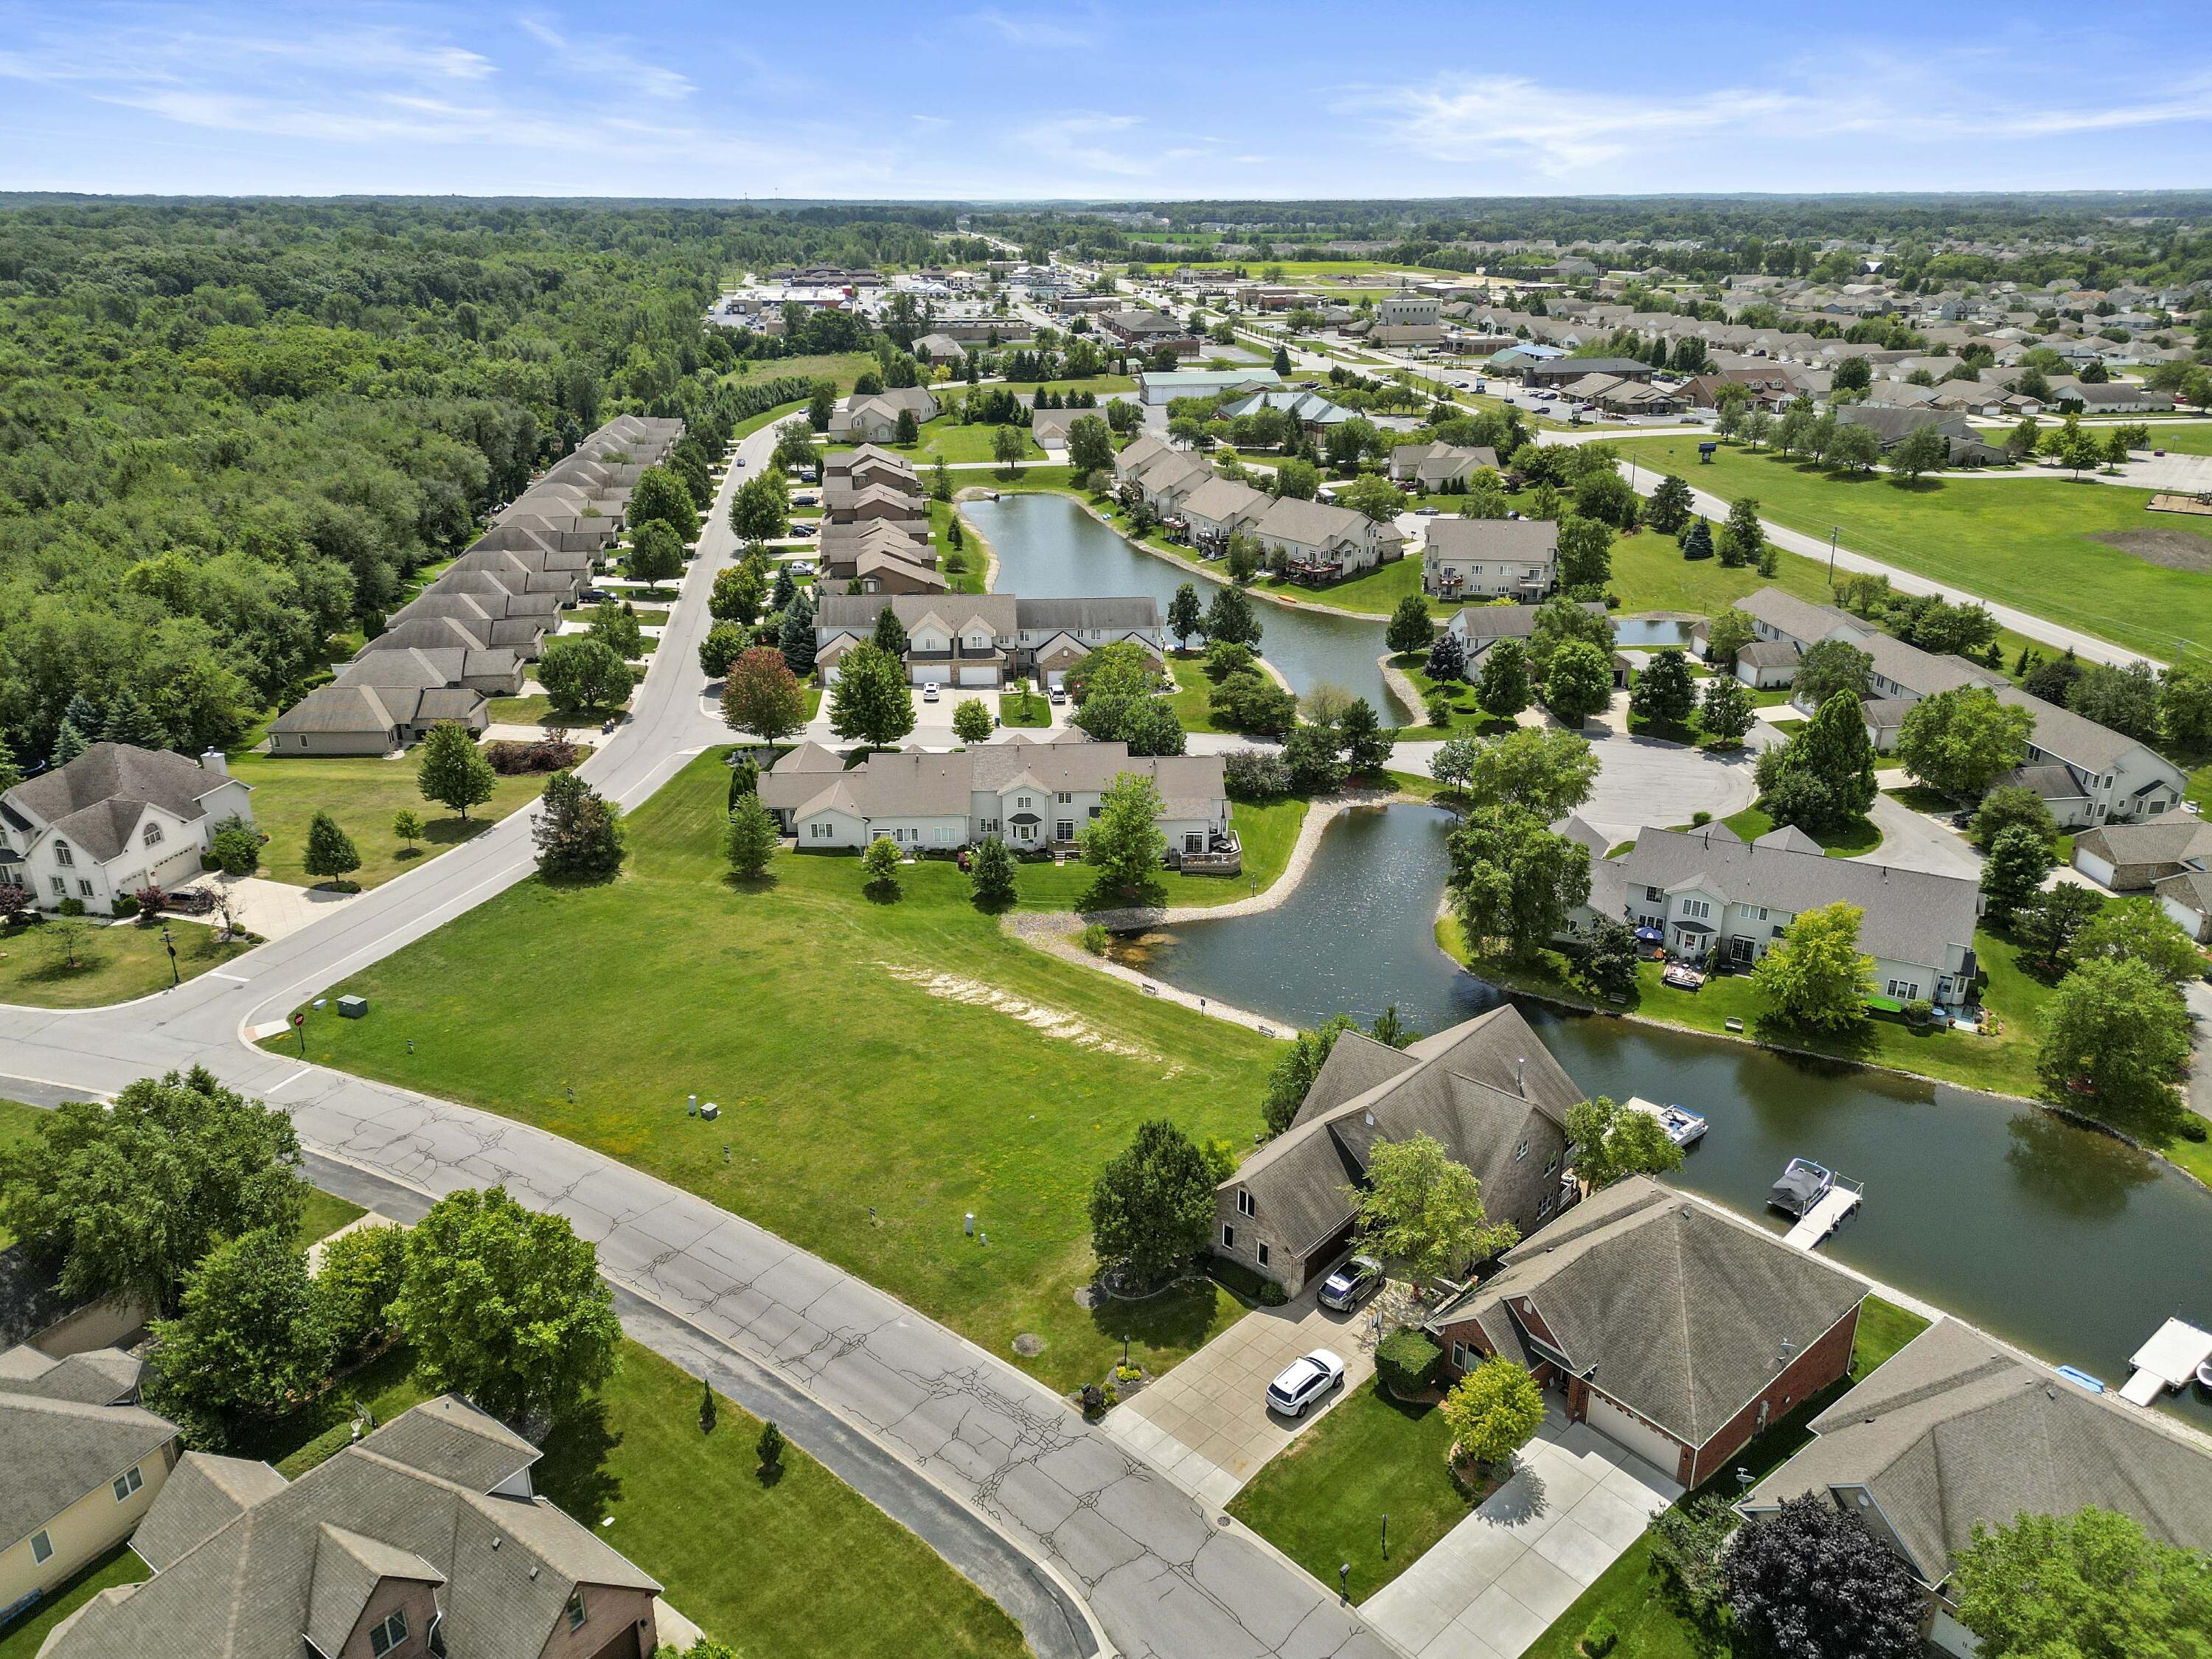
x=212, y=760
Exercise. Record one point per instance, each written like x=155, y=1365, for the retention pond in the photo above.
x=2067, y=1242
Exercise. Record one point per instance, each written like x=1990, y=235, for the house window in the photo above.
x=1521, y=1151
x=1063, y=830
x=1654, y=895
x=1459, y=1356
x=42, y=1549
x=1544, y=1205
x=128, y=1482
x=1263, y=1255
x=388, y=1634
x=1244, y=1204
x=1064, y=798
x=62, y=856
x=84, y=887
x=153, y=836
x=575, y=1609
x=1228, y=1238
x=61, y=886
x=1905, y=990
x=1552, y=1166
x=1697, y=909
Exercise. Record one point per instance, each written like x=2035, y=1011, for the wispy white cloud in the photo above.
x=1025, y=31
x=619, y=67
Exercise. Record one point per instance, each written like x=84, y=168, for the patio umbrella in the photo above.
x=1650, y=936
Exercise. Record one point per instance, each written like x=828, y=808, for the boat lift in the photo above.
x=1824, y=1217
x=2171, y=1357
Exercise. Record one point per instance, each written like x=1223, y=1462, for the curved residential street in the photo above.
x=1160, y=1574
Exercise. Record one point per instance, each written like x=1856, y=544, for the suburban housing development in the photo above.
x=986, y=639
x=116, y=819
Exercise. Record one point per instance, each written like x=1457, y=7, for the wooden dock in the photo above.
x=1823, y=1217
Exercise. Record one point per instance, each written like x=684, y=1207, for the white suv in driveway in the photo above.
x=1304, y=1381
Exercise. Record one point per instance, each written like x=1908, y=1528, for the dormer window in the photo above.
x=152, y=837
x=576, y=1610
x=1244, y=1204
x=63, y=855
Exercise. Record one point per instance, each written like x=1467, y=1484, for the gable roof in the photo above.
x=1954, y=1430
x=56, y=1450
x=1671, y=1307
x=283, y=1559
x=1531, y=541
x=96, y=800
x=1313, y=523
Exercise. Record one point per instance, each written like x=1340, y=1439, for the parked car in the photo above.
x=1351, y=1283
x=740, y=461
x=801, y=567
x=804, y=498
x=1424, y=512
x=1058, y=696
x=598, y=595
x=1304, y=1381
x=929, y=694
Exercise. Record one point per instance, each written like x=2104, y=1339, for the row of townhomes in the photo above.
x=2169, y=857
x=1035, y=795
x=873, y=418
x=116, y=819
x=986, y=639
x=466, y=637
x=2088, y=774
x=1712, y=893
x=1318, y=540
x=1516, y=559
x=875, y=526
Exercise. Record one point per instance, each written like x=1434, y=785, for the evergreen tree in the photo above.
x=1698, y=541
x=796, y=640
x=10, y=773
x=991, y=874
x=131, y=721
x=331, y=851
x=1230, y=616
x=70, y=742
x=578, y=832
x=1670, y=506
x=890, y=634
x=1410, y=629
x=1504, y=689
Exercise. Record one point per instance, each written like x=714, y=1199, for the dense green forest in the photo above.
x=230, y=430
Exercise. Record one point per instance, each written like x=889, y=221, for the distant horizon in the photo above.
x=1136, y=101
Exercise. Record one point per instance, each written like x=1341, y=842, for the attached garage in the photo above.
x=1633, y=1433
x=933, y=673
x=2099, y=870
x=983, y=676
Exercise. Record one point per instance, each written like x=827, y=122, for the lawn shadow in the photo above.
x=882, y=892
x=1855, y=1044
x=573, y=1472
x=764, y=883
x=451, y=832
x=1103, y=895
x=1178, y=1318
x=406, y=854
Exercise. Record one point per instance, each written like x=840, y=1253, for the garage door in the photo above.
x=830, y=675
x=2097, y=870
x=979, y=677
x=933, y=673
x=1634, y=1435
x=1055, y=678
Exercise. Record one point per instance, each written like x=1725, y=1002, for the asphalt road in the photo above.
x=1158, y=1574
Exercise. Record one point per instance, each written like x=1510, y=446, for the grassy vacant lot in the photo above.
x=363, y=794
x=537, y=709
x=2181, y=439
x=1028, y=709
x=1267, y=831
x=2024, y=542
x=843, y=1578
x=842, y=367
x=1627, y=1593
x=1322, y=1500
x=114, y=964
x=946, y=440
x=904, y=1054
x=1192, y=698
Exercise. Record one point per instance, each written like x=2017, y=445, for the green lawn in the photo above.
x=834, y=1080
x=1855, y=840
x=1469, y=718
x=2182, y=438
x=1373, y=592
x=1266, y=830
x=2024, y=542
x=1322, y=1499
x=537, y=709
x=842, y=367
x=1192, y=699
x=363, y=794
x=114, y=964
x=842, y=1579
x=966, y=566
x=22, y=1639
x=16, y=1121
x=946, y=440
x=1629, y=1594
x=325, y=1214
x=1031, y=710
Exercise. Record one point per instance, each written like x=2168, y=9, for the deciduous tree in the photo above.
x=1123, y=843
x=1577, y=683
x=1725, y=709
x=1424, y=1210
x=656, y=555
x=2090, y=1585
x=331, y=853
x=1809, y=1582
x=870, y=703
x=1612, y=1141
x=1410, y=629
x=450, y=769
x=578, y=832
x=1492, y=1411
x=1832, y=666
x=1151, y=1207
x=761, y=695
x=2115, y=1032
x=246, y=1341
x=1585, y=555
x=579, y=672
x=1817, y=976
x=2139, y=930
x=1185, y=616
x=1514, y=882
x=1664, y=693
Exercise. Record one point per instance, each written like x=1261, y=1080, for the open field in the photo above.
x=362, y=792
x=842, y=367
x=839, y=1578
x=903, y=1054
x=2030, y=543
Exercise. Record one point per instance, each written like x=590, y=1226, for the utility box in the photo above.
x=352, y=1007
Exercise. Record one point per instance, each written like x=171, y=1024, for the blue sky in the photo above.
x=857, y=99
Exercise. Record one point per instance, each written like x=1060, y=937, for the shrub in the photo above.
x=1255, y=775
x=1095, y=939
x=1919, y=1010
x=510, y=758
x=72, y=906
x=14, y=900
x=769, y=1449
x=151, y=900
x=237, y=848
x=125, y=905
x=1599, y=1637
x=1700, y=819
x=1405, y=1361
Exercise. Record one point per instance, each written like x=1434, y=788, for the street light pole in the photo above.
x=170, y=944
x=1834, y=530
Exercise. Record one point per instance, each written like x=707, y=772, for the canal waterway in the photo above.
x=1049, y=548
x=2066, y=1242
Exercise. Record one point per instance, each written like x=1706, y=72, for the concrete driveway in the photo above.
x=1207, y=1422
x=1913, y=841
x=274, y=910
x=1496, y=1581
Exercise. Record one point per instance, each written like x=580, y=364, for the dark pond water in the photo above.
x=2068, y=1242
x=1049, y=548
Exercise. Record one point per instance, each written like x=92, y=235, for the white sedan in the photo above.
x=1304, y=1381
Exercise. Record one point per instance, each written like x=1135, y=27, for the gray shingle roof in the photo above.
x=55, y=1451
x=1312, y=524
x=1528, y=541
x=1954, y=1430
x=373, y=709
x=1505, y=622
x=97, y=799
x=418, y=668
x=203, y=1494
x=1682, y=1310
x=248, y=1588
x=1909, y=915
x=99, y=1376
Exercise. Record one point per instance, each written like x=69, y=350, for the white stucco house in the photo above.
x=115, y=819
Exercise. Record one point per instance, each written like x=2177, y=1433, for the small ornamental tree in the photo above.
x=506, y=1305
x=1422, y=1208
x=991, y=874
x=1816, y=976
x=578, y=832
x=768, y=1448
x=1124, y=843
x=971, y=721
x=880, y=863
x=761, y=695
x=330, y=853
x=450, y=769
x=749, y=839
x=1405, y=1361
x=1726, y=709
x=236, y=844
x=1151, y=1207
x=360, y=1276
x=1809, y=1582
x=1185, y=616
x=408, y=826
x=1410, y=629
x=724, y=643
x=1492, y=1411
x=1611, y=1141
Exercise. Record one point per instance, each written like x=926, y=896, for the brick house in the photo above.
x=1676, y=1330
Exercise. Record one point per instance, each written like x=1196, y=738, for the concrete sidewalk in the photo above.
x=1497, y=1580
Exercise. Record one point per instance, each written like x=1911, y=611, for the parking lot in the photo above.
x=1206, y=1422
